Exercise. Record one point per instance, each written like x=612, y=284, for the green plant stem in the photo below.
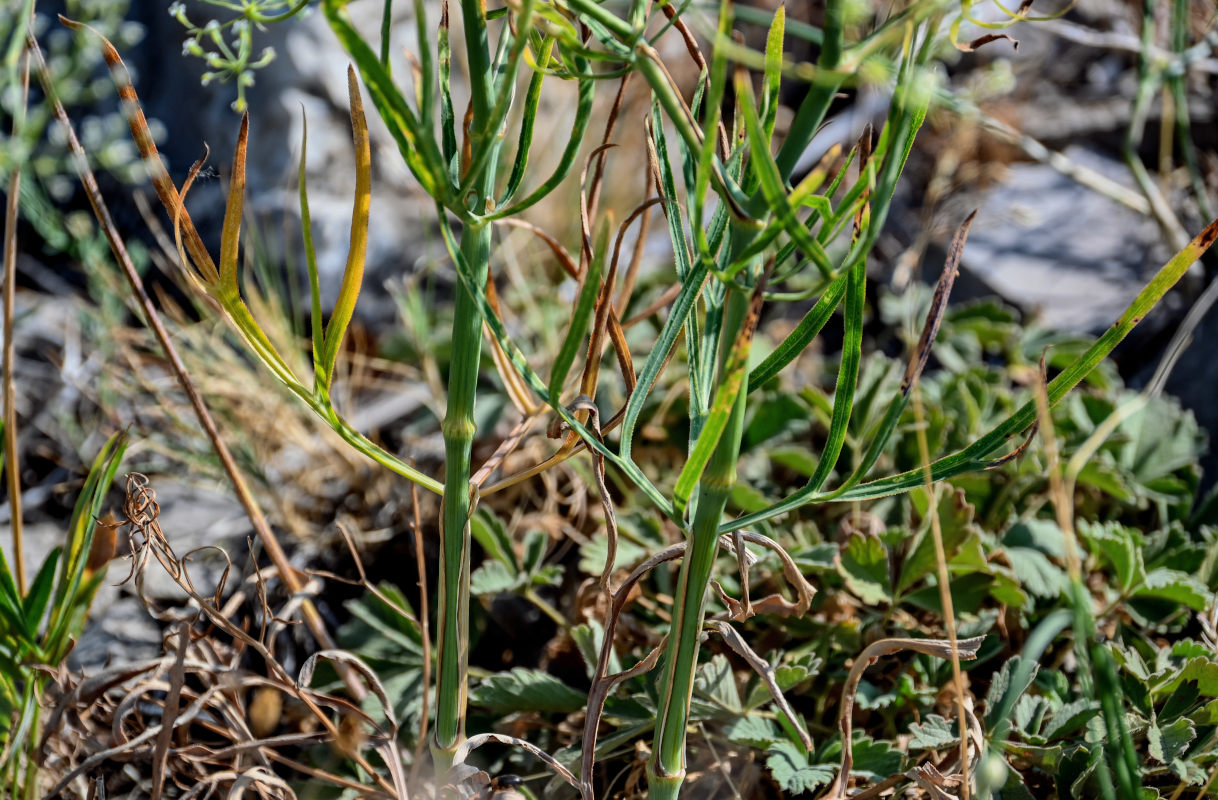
x=452, y=635
x=666, y=770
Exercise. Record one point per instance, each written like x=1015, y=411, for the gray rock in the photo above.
x=1049, y=245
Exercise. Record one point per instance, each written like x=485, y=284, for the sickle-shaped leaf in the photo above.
x=231, y=233
x=353, y=276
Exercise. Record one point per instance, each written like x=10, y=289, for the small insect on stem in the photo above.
x=503, y=787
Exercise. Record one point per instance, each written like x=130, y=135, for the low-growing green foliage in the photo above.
x=41, y=623
x=764, y=488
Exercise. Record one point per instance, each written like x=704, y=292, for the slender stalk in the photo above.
x=12, y=467
x=452, y=630
x=945, y=592
x=666, y=770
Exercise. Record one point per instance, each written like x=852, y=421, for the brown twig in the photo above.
x=939, y=648
x=12, y=468
x=424, y=630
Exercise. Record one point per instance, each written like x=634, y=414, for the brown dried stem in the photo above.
x=12, y=468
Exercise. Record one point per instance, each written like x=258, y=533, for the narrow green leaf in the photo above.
x=584, y=306
x=799, y=339
x=80, y=539
x=40, y=592
x=583, y=115
x=863, y=564
x=773, y=71
x=417, y=146
x=478, y=292
x=770, y=179
x=353, y=275
x=320, y=380
x=231, y=234
x=976, y=456
x=721, y=410
x=524, y=141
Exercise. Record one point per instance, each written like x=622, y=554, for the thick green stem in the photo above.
x=453, y=607
x=452, y=638
x=667, y=766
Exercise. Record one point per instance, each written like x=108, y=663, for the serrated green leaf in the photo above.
x=748, y=498
x=588, y=638
x=493, y=577
x=491, y=533
x=1003, y=692
x=526, y=690
x=795, y=458
x=592, y=554
x=1070, y=717
x=1039, y=534
x=788, y=765
x=791, y=675
x=755, y=731
x=875, y=759
x=1179, y=587
x=1120, y=548
x=534, y=550
x=1036, y=572
x=956, y=523
x=933, y=733
x=1168, y=742
x=863, y=564
x=716, y=681
x=549, y=575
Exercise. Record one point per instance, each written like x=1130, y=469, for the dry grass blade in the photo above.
x=766, y=672
x=862, y=217
x=945, y=591
x=1018, y=451
x=515, y=386
x=386, y=745
x=259, y=777
x=696, y=55
x=603, y=683
x=12, y=470
x=584, y=403
x=476, y=741
x=934, y=316
x=938, y=648
x=774, y=603
x=938, y=305
x=587, y=204
x=131, y=714
x=177, y=677
x=605, y=312
x=981, y=41
x=161, y=181
x=594, y=191
x=424, y=631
